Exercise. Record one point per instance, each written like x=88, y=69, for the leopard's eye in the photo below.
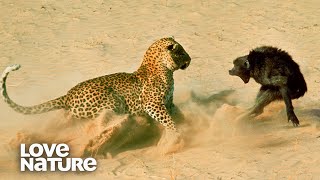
x=170, y=47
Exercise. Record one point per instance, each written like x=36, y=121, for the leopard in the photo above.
x=146, y=91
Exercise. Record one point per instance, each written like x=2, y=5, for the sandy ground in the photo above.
x=61, y=43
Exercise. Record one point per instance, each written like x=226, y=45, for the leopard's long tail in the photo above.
x=51, y=105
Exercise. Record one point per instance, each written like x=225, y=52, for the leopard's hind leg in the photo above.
x=124, y=133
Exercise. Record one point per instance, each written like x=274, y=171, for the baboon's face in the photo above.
x=241, y=68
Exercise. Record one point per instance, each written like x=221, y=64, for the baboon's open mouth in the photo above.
x=245, y=78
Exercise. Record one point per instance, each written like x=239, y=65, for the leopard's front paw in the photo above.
x=170, y=142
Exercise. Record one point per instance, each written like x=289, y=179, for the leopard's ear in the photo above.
x=170, y=47
x=175, y=47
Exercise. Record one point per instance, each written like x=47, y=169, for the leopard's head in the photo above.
x=168, y=53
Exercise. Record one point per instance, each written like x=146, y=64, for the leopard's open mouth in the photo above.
x=185, y=65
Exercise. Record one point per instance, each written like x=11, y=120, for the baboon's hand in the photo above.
x=293, y=118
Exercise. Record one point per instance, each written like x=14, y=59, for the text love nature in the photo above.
x=53, y=157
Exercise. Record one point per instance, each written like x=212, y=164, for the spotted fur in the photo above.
x=149, y=90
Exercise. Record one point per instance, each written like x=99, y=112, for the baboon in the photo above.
x=278, y=74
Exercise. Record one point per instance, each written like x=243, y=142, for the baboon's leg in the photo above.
x=265, y=96
x=287, y=99
x=282, y=83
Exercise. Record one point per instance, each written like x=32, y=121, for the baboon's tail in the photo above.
x=41, y=108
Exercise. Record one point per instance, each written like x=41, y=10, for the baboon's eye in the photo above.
x=246, y=64
x=170, y=47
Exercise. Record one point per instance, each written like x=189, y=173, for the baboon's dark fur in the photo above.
x=278, y=74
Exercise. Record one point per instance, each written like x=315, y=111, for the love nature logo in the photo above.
x=45, y=157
